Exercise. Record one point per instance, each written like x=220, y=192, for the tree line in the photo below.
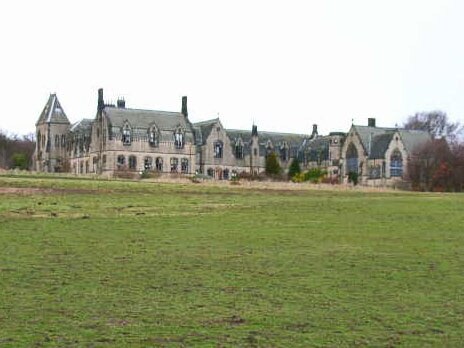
x=437, y=165
x=16, y=151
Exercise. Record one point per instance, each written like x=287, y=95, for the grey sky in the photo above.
x=285, y=65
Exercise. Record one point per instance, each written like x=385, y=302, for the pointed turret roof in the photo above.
x=53, y=112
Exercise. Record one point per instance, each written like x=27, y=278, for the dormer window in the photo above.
x=153, y=137
x=218, y=149
x=179, y=139
x=126, y=135
x=284, y=153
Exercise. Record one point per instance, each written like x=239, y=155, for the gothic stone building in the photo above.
x=379, y=155
x=125, y=139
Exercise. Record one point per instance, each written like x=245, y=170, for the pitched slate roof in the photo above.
x=414, y=138
x=376, y=140
x=367, y=134
x=379, y=145
x=137, y=118
x=83, y=126
x=203, y=130
x=316, y=149
x=53, y=112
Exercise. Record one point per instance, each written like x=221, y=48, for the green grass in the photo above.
x=117, y=263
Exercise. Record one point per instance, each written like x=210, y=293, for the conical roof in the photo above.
x=53, y=112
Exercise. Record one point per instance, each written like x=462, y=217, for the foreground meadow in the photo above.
x=114, y=263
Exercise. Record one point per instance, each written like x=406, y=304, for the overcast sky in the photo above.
x=284, y=65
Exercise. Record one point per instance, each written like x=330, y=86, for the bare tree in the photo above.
x=436, y=123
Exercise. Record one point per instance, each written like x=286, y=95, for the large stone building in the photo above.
x=379, y=155
x=121, y=139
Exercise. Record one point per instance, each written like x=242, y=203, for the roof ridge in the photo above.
x=148, y=110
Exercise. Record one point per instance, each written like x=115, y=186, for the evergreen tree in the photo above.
x=294, y=168
x=272, y=165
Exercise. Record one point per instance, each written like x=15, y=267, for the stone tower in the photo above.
x=254, y=147
x=51, y=130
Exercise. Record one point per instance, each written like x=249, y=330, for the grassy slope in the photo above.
x=121, y=263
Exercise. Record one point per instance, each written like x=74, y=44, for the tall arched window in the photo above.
x=351, y=159
x=153, y=136
x=396, y=164
x=126, y=134
x=239, y=149
x=218, y=149
x=179, y=138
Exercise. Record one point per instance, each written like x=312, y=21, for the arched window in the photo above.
x=184, y=164
x=159, y=164
x=148, y=163
x=57, y=140
x=210, y=172
x=153, y=136
x=126, y=134
x=179, y=138
x=218, y=149
x=174, y=164
x=351, y=159
x=239, y=149
x=63, y=140
x=121, y=161
x=396, y=164
x=225, y=174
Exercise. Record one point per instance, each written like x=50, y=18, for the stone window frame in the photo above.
x=121, y=161
x=239, y=149
x=179, y=138
x=159, y=164
x=132, y=162
x=284, y=152
x=126, y=132
x=184, y=165
x=218, y=149
x=153, y=136
x=352, y=162
x=174, y=162
x=396, y=164
x=148, y=163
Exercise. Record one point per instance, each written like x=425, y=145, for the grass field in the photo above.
x=87, y=263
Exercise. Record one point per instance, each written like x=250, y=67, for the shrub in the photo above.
x=294, y=168
x=353, y=177
x=272, y=165
x=315, y=175
x=19, y=161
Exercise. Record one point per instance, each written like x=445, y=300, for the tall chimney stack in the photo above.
x=184, y=107
x=371, y=122
x=101, y=103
